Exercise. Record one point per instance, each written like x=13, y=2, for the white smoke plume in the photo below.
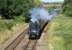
x=43, y=14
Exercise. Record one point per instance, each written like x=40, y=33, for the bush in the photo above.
x=6, y=25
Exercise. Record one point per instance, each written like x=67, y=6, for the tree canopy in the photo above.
x=11, y=8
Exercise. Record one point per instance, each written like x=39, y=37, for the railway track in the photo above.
x=22, y=42
x=26, y=44
x=16, y=41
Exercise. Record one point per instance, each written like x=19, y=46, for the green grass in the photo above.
x=5, y=24
x=8, y=24
x=8, y=28
x=60, y=33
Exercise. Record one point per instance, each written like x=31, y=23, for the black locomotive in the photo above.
x=36, y=28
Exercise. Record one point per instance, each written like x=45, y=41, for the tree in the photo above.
x=11, y=8
x=67, y=7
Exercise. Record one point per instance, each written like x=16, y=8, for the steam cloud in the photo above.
x=43, y=14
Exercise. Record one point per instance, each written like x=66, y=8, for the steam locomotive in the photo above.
x=36, y=28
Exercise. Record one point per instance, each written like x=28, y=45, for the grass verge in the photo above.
x=60, y=33
x=8, y=28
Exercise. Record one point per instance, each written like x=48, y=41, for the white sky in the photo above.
x=52, y=0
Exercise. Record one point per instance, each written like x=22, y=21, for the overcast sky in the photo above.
x=52, y=0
